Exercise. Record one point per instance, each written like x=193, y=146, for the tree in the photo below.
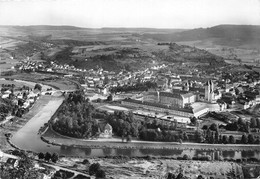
x=253, y=123
x=110, y=98
x=38, y=86
x=224, y=139
x=193, y=120
x=185, y=136
x=41, y=155
x=198, y=137
x=213, y=127
x=55, y=157
x=179, y=176
x=244, y=139
x=231, y=139
x=99, y=100
x=200, y=177
x=240, y=121
x=258, y=122
x=205, y=127
x=47, y=156
x=100, y=174
x=170, y=176
x=128, y=138
x=217, y=136
x=93, y=168
x=251, y=139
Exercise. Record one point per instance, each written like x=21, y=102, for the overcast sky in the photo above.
x=130, y=13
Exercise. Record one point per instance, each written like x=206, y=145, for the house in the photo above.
x=106, y=131
x=12, y=163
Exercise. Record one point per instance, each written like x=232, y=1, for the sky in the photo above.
x=130, y=13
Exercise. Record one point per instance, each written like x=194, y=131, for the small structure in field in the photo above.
x=106, y=131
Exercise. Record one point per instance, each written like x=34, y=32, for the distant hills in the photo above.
x=231, y=35
x=104, y=30
x=47, y=27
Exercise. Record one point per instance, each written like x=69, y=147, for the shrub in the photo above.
x=186, y=157
x=100, y=174
x=94, y=168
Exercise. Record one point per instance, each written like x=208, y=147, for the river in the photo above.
x=27, y=138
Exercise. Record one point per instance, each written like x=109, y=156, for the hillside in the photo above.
x=136, y=57
x=230, y=35
x=111, y=48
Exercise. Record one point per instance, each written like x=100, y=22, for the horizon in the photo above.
x=64, y=25
x=167, y=14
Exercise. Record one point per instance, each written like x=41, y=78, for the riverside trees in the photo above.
x=75, y=118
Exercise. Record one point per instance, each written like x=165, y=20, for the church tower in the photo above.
x=209, y=91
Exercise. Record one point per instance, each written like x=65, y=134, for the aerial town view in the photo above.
x=135, y=89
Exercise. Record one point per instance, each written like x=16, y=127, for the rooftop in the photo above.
x=188, y=110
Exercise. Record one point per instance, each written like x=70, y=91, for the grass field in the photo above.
x=249, y=55
x=16, y=83
x=58, y=83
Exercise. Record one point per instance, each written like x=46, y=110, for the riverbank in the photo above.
x=28, y=137
x=12, y=128
x=52, y=137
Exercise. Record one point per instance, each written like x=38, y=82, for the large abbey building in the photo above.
x=176, y=98
x=177, y=102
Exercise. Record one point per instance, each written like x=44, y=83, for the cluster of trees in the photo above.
x=212, y=135
x=95, y=169
x=6, y=107
x=243, y=126
x=75, y=118
x=137, y=87
x=124, y=125
x=49, y=157
x=250, y=139
x=127, y=126
x=167, y=136
x=24, y=170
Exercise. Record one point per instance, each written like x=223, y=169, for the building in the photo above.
x=176, y=98
x=209, y=91
x=186, y=112
x=106, y=131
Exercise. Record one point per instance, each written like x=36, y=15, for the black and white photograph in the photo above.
x=129, y=89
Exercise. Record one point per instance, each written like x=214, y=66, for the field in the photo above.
x=6, y=62
x=58, y=83
x=248, y=55
x=16, y=83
